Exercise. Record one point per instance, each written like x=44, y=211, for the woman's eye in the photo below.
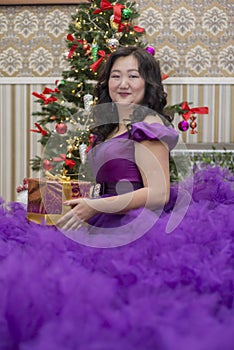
x=133, y=76
x=115, y=76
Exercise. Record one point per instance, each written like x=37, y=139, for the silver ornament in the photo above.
x=113, y=43
x=82, y=150
x=88, y=101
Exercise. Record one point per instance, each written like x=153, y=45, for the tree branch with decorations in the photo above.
x=96, y=30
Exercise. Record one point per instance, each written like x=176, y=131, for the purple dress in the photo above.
x=173, y=288
x=113, y=161
x=114, y=167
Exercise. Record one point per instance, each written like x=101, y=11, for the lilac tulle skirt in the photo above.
x=170, y=289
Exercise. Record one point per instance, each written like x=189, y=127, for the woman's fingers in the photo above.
x=70, y=221
x=76, y=217
x=71, y=202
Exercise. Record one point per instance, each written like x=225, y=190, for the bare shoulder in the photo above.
x=150, y=119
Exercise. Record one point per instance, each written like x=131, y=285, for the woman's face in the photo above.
x=125, y=83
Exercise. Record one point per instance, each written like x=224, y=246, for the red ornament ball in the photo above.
x=183, y=125
x=46, y=164
x=61, y=128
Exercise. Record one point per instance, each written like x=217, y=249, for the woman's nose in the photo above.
x=124, y=83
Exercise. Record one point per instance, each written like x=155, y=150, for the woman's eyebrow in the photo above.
x=129, y=70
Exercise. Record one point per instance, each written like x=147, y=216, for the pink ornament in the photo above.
x=183, y=125
x=61, y=128
x=150, y=50
x=47, y=164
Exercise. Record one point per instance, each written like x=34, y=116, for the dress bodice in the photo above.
x=114, y=160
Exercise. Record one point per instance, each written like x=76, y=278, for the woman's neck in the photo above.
x=121, y=129
x=124, y=112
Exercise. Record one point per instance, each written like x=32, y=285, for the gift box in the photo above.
x=46, y=198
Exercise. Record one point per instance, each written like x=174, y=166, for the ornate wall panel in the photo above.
x=33, y=40
x=191, y=38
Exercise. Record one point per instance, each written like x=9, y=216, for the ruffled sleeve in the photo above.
x=143, y=131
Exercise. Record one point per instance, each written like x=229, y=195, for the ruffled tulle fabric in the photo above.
x=161, y=292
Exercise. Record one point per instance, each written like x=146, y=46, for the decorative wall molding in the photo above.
x=169, y=81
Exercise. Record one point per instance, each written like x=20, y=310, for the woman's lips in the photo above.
x=124, y=94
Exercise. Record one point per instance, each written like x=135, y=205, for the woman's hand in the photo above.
x=80, y=213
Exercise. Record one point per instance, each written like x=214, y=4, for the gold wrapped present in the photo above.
x=46, y=198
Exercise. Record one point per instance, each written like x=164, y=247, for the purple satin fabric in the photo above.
x=114, y=160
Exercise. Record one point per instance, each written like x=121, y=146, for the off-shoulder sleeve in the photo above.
x=142, y=131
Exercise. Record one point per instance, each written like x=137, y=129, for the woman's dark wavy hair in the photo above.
x=155, y=98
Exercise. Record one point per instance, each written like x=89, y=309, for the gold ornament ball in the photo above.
x=113, y=24
x=78, y=25
x=70, y=148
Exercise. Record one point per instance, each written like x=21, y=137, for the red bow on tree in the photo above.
x=90, y=143
x=48, y=91
x=39, y=130
x=97, y=63
x=46, y=100
x=127, y=25
x=71, y=163
x=74, y=47
x=106, y=5
x=165, y=76
x=61, y=158
x=197, y=110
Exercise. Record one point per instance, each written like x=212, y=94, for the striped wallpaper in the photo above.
x=18, y=145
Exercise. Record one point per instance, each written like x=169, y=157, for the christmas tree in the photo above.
x=95, y=30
